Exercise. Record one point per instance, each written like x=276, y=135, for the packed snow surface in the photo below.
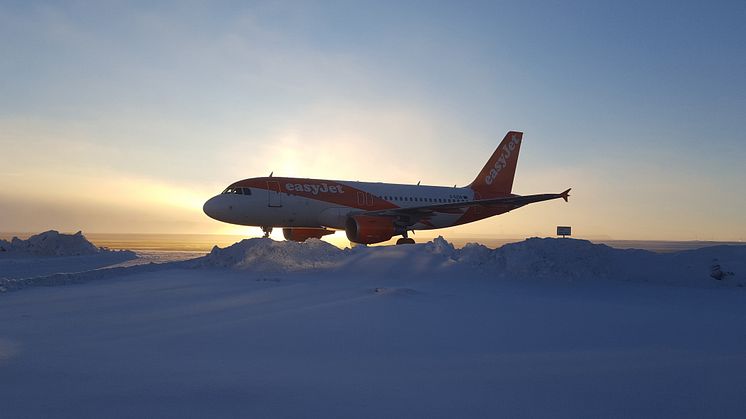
x=542, y=328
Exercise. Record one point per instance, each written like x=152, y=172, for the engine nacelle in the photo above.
x=367, y=229
x=303, y=234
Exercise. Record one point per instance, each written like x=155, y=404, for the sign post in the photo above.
x=564, y=231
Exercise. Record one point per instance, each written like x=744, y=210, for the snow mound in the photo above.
x=267, y=255
x=581, y=259
x=551, y=258
x=51, y=243
x=52, y=253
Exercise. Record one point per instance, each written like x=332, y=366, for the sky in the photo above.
x=121, y=117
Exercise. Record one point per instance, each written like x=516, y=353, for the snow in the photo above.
x=51, y=243
x=532, y=258
x=541, y=328
x=264, y=254
x=52, y=252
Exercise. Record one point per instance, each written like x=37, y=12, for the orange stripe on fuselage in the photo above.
x=329, y=191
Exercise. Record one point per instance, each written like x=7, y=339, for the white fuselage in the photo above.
x=323, y=203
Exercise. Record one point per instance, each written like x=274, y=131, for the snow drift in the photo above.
x=53, y=253
x=51, y=243
x=265, y=254
x=533, y=258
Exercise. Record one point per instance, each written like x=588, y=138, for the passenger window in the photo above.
x=237, y=191
x=246, y=191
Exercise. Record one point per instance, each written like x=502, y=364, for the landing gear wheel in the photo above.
x=267, y=231
x=405, y=240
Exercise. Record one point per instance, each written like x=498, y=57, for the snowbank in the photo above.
x=269, y=255
x=52, y=253
x=51, y=243
x=533, y=258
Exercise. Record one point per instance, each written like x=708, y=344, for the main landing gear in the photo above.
x=405, y=239
x=267, y=231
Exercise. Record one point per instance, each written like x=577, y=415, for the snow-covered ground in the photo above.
x=541, y=328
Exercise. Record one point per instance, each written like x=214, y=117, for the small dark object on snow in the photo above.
x=716, y=271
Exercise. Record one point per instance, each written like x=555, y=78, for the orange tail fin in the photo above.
x=496, y=178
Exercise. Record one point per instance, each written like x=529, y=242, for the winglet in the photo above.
x=566, y=194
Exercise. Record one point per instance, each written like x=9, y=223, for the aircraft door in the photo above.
x=273, y=193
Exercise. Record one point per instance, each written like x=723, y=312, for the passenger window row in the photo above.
x=427, y=200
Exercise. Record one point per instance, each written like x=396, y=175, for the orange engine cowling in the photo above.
x=303, y=234
x=367, y=229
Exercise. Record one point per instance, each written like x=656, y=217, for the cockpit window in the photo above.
x=237, y=191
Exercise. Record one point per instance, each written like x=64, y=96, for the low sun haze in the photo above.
x=120, y=117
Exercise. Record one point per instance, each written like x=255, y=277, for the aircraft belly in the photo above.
x=437, y=221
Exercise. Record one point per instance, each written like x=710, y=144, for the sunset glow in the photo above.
x=115, y=118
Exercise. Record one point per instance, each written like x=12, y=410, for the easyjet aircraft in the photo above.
x=372, y=212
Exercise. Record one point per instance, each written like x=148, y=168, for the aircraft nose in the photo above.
x=213, y=208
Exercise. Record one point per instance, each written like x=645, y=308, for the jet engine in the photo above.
x=367, y=229
x=303, y=234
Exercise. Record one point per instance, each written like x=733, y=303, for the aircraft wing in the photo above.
x=411, y=215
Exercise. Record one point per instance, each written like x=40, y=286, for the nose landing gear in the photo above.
x=267, y=231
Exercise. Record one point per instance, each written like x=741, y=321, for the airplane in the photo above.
x=373, y=212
